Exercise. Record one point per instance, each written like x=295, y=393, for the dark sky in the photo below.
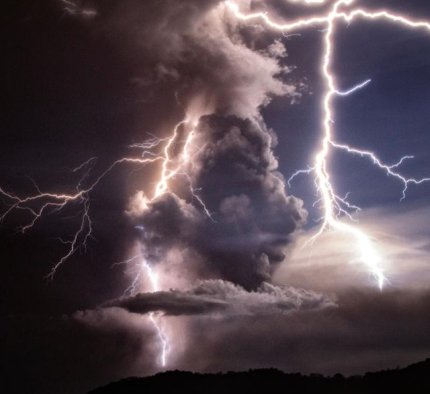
x=247, y=294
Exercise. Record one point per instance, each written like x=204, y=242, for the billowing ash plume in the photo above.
x=195, y=51
x=252, y=216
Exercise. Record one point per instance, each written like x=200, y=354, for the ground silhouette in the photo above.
x=412, y=379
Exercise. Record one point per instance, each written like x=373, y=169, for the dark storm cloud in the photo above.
x=255, y=216
x=197, y=52
x=224, y=299
x=252, y=217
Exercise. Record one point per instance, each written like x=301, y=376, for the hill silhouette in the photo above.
x=412, y=379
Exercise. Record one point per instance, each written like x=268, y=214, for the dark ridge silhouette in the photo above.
x=412, y=379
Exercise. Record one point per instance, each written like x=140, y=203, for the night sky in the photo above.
x=240, y=289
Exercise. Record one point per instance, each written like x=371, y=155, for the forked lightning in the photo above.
x=332, y=204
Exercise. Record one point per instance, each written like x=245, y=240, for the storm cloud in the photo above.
x=221, y=75
x=252, y=217
x=222, y=298
x=195, y=49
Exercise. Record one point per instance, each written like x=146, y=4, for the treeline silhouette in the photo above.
x=412, y=379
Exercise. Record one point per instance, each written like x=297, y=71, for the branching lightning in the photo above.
x=332, y=205
x=42, y=203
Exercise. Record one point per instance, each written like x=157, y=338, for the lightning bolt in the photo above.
x=145, y=268
x=42, y=203
x=155, y=320
x=333, y=205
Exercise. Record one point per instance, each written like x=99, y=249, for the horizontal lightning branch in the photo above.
x=41, y=203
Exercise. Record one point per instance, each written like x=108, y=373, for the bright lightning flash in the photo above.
x=144, y=268
x=333, y=205
x=155, y=320
x=42, y=203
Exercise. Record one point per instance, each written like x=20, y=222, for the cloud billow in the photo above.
x=217, y=297
x=222, y=75
x=196, y=48
x=252, y=217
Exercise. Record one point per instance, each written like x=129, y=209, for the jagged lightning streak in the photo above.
x=168, y=172
x=332, y=204
x=41, y=203
x=164, y=341
x=299, y=23
x=135, y=287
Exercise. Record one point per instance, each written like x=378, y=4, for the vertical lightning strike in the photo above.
x=155, y=320
x=332, y=204
x=145, y=268
x=184, y=158
x=366, y=250
x=166, y=173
